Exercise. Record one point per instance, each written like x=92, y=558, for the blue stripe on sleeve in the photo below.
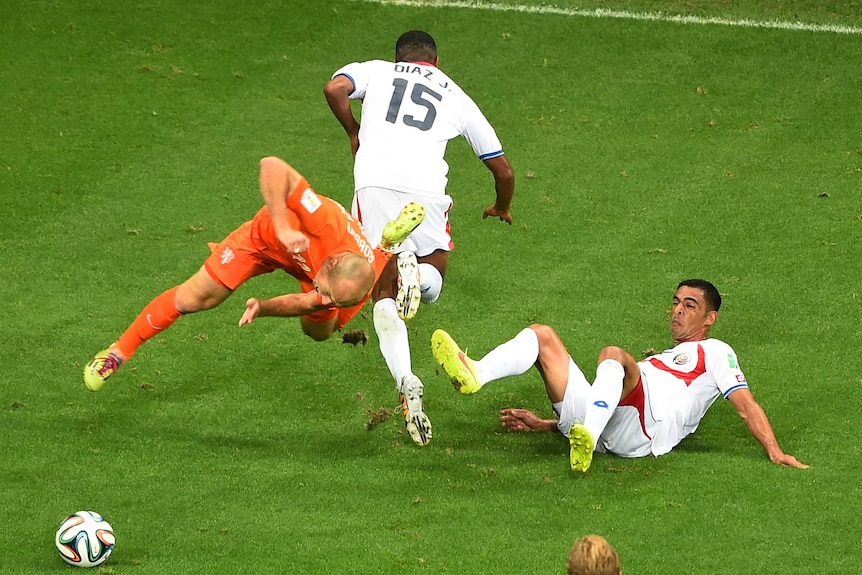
x=734, y=388
x=490, y=155
x=352, y=81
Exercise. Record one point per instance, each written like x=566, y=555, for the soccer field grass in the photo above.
x=646, y=151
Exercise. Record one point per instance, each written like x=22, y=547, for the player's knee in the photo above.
x=546, y=335
x=430, y=283
x=191, y=302
x=613, y=352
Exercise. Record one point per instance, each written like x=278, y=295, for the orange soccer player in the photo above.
x=311, y=237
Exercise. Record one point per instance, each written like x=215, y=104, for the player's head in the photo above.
x=416, y=46
x=344, y=279
x=710, y=293
x=593, y=555
x=694, y=310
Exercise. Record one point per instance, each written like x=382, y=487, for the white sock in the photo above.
x=511, y=358
x=604, y=396
x=430, y=282
x=392, y=335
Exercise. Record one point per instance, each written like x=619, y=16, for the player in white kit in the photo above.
x=632, y=408
x=410, y=111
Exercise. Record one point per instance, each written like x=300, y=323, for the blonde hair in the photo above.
x=352, y=276
x=593, y=555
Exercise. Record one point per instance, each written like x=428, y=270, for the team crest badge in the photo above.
x=310, y=200
x=680, y=359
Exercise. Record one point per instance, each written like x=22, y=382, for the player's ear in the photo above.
x=711, y=317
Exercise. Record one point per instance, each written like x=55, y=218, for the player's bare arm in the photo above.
x=504, y=184
x=277, y=180
x=337, y=92
x=758, y=424
x=288, y=305
x=516, y=419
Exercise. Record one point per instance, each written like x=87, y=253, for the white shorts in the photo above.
x=574, y=405
x=375, y=207
x=626, y=433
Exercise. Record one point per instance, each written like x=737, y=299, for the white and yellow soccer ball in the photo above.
x=85, y=539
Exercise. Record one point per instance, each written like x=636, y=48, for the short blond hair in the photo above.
x=593, y=555
x=352, y=277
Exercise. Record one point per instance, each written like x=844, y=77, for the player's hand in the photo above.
x=789, y=461
x=520, y=420
x=252, y=308
x=491, y=211
x=293, y=240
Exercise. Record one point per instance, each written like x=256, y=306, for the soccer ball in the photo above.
x=85, y=539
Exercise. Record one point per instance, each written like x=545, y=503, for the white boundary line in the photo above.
x=602, y=13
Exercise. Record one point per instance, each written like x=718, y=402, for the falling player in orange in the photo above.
x=309, y=236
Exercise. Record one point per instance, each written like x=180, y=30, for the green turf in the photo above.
x=645, y=152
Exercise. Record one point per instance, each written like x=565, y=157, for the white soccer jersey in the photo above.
x=410, y=111
x=682, y=384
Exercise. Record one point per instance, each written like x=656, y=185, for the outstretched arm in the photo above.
x=337, y=92
x=277, y=180
x=758, y=424
x=504, y=184
x=288, y=305
x=515, y=419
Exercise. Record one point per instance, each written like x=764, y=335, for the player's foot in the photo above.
x=100, y=368
x=581, y=445
x=409, y=293
x=396, y=231
x=456, y=364
x=417, y=423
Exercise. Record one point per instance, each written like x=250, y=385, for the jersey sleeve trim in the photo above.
x=734, y=388
x=349, y=77
x=491, y=155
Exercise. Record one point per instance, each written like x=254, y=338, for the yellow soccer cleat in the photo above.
x=455, y=363
x=100, y=368
x=581, y=445
x=396, y=231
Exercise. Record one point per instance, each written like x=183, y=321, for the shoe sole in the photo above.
x=409, y=293
x=419, y=429
x=454, y=362
x=416, y=421
x=581, y=447
x=396, y=231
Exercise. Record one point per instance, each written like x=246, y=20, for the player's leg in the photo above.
x=617, y=375
x=198, y=293
x=432, y=270
x=536, y=345
x=553, y=361
x=395, y=348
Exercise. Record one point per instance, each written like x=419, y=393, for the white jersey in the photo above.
x=682, y=383
x=410, y=111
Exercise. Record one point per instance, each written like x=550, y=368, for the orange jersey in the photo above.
x=254, y=249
